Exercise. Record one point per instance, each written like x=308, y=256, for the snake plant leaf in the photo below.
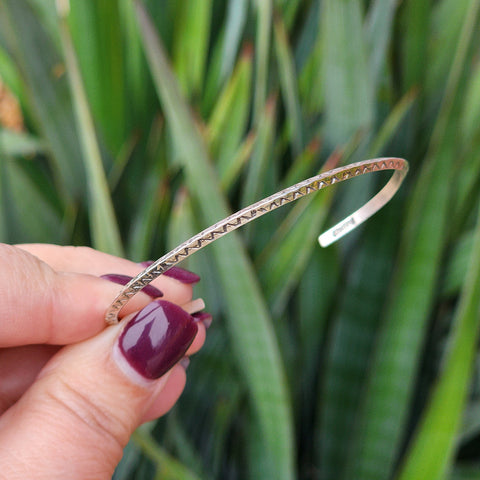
x=104, y=228
x=303, y=164
x=168, y=468
x=228, y=121
x=234, y=25
x=287, y=255
x=38, y=61
x=20, y=144
x=10, y=75
x=432, y=449
x=388, y=395
x=99, y=50
x=264, y=10
x=309, y=57
x=471, y=109
x=258, y=168
x=191, y=44
x=395, y=366
x=237, y=162
x=465, y=472
x=154, y=198
x=288, y=83
x=289, y=9
x=379, y=29
x=416, y=20
x=442, y=417
x=353, y=334
x=347, y=82
x=249, y=323
x=30, y=214
x=458, y=265
x=449, y=14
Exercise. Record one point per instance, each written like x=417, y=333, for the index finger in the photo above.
x=41, y=305
x=92, y=262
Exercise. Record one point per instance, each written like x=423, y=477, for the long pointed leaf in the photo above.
x=104, y=227
x=37, y=58
x=249, y=323
x=348, y=87
x=395, y=366
x=288, y=82
x=264, y=25
x=432, y=451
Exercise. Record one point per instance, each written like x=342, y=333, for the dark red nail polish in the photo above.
x=203, y=317
x=124, y=279
x=146, y=264
x=180, y=274
x=157, y=338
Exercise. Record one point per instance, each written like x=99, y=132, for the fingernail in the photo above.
x=184, y=362
x=203, y=317
x=180, y=274
x=124, y=279
x=157, y=338
x=146, y=264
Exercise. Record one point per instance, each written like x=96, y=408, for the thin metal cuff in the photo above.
x=232, y=222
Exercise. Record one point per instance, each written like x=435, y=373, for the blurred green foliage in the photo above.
x=130, y=126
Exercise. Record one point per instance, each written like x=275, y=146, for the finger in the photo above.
x=161, y=404
x=199, y=340
x=87, y=260
x=19, y=367
x=92, y=395
x=55, y=307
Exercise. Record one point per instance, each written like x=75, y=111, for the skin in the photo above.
x=67, y=405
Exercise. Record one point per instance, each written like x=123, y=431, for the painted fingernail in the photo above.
x=203, y=317
x=157, y=338
x=180, y=274
x=124, y=279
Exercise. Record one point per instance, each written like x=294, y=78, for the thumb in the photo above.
x=75, y=420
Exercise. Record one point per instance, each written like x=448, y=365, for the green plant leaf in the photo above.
x=236, y=17
x=28, y=216
x=258, y=167
x=99, y=50
x=19, y=144
x=262, y=46
x=357, y=318
x=167, y=467
x=432, y=449
x=288, y=82
x=229, y=120
x=458, y=265
x=191, y=44
x=379, y=29
x=393, y=372
x=104, y=228
x=38, y=61
x=248, y=320
x=347, y=82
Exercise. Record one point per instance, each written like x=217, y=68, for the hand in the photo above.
x=72, y=390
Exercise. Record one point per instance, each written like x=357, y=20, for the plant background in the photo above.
x=129, y=126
